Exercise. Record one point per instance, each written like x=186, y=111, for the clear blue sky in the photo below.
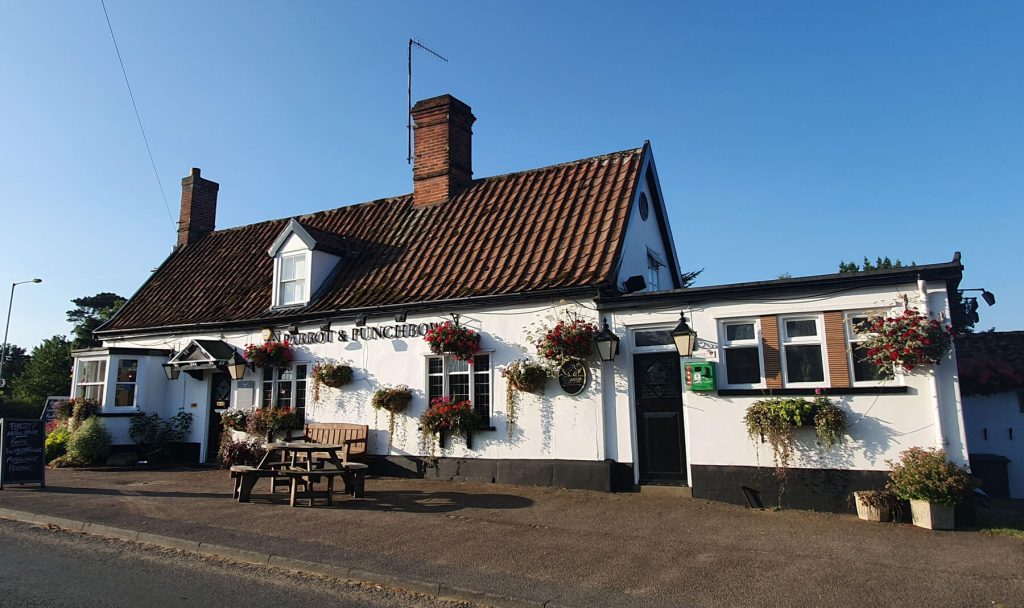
x=788, y=135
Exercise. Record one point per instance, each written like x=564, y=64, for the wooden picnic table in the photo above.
x=307, y=471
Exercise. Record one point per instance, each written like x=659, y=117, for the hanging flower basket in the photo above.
x=525, y=376
x=452, y=339
x=909, y=340
x=521, y=376
x=269, y=354
x=445, y=415
x=334, y=375
x=568, y=339
x=775, y=421
x=394, y=399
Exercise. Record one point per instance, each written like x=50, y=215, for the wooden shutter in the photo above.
x=772, y=358
x=835, y=340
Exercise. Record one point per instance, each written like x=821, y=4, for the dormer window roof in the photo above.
x=301, y=265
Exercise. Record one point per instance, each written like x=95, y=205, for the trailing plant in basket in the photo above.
x=269, y=354
x=908, y=340
x=566, y=339
x=233, y=420
x=926, y=474
x=775, y=421
x=268, y=422
x=457, y=417
x=334, y=375
x=521, y=375
x=453, y=339
x=393, y=400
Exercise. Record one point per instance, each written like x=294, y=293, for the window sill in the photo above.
x=793, y=392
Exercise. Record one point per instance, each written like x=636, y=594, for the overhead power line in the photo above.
x=137, y=116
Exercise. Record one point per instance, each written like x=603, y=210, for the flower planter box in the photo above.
x=870, y=513
x=931, y=515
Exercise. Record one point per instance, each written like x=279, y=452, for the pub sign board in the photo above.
x=22, y=454
x=573, y=376
x=50, y=409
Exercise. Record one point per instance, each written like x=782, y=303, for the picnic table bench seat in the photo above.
x=351, y=436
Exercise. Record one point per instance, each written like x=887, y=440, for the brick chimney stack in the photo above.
x=443, y=155
x=198, y=208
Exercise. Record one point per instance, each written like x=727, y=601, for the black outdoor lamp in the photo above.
x=236, y=366
x=172, y=371
x=607, y=343
x=684, y=337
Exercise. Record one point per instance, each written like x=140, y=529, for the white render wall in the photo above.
x=881, y=426
x=551, y=425
x=998, y=414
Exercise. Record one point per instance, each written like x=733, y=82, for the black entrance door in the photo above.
x=220, y=397
x=659, y=418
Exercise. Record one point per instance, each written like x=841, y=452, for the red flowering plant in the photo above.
x=269, y=354
x=452, y=339
x=568, y=339
x=909, y=340
x=449, y=416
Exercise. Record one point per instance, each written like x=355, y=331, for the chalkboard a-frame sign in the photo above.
x=22, y=454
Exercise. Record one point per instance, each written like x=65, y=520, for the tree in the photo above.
x=879, y=264
x=89, y=313
x=14, y=362
x=689, y=278
x=47, y=372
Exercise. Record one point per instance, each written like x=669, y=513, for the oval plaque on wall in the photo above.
x=573, y=376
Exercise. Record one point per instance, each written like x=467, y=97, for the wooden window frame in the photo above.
x=726, y=344
x=445, y=385
x=819, y=341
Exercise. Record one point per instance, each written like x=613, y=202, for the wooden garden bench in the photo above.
x=351, y=436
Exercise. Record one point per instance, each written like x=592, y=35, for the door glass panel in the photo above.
x=659, y=379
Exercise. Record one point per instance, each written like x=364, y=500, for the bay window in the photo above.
x=124, y=389
x=92, y=376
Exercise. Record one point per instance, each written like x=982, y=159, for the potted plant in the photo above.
x=521, y=375
x=570, y=338
x=269, y=422
x=775, y=420
x=447, y=416
x=452, y=339
x=269, y=354
x=393, y=400
x=908, y=340
x=334, y=375
x=233, y=420
x=932, y=484
x=875, y=505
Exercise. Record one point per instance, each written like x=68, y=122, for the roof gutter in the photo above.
x=408, y=307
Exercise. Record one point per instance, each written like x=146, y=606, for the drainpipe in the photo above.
x=940, y=438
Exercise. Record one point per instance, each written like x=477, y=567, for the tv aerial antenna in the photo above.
x=413, y=42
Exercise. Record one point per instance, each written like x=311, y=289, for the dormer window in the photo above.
x=291, y=287
x=302, y=263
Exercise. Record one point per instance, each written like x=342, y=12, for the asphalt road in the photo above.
x=43, y=567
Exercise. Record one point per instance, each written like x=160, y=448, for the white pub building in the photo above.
x=503, y=255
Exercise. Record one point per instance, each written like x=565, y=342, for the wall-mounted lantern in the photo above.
x=684, y=337
x=607, y=343
x=236, y=366
x=172, y=371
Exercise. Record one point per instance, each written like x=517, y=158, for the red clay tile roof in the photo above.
x=550, y=228
x=990, y=362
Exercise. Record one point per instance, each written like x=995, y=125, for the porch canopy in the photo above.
x=202, y=355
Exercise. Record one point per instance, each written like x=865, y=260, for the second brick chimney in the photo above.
x=443, y=154
x=198, y=208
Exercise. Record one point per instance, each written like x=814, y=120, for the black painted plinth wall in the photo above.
x=817, y=489
x=602, y=476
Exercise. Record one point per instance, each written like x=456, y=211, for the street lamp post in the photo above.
x=7, y=328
